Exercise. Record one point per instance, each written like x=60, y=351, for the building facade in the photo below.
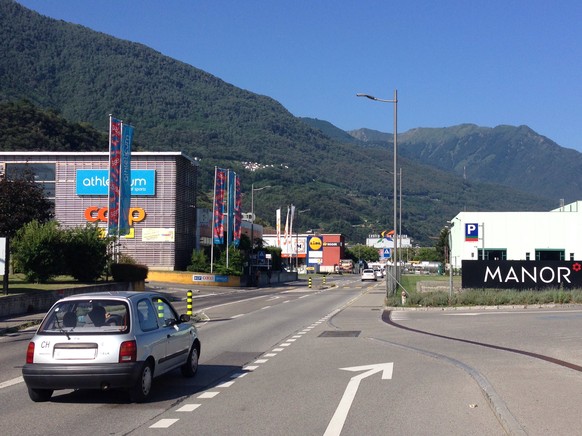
x=555, y=235
x=163, y=212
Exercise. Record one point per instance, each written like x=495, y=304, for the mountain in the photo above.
x=511, y=156
x=68, y=71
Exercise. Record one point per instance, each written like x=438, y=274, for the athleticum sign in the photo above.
x=521, y=274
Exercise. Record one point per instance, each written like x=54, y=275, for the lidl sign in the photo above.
x=96, y=182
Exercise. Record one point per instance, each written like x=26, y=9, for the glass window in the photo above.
x=43, y=172
x=167, y=316
x=146, y=315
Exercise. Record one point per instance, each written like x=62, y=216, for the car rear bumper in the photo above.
x=85, y=376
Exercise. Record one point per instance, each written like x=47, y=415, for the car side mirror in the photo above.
x=184, y=318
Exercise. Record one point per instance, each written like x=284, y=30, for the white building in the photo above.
x=515, y=236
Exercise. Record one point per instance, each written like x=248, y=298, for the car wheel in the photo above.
x=40, y=395
x=143, y=387
x=191, y=366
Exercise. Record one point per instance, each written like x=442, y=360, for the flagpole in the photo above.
x=213, y=212
x=228, y=215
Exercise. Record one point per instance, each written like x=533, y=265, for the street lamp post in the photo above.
x=395, y=186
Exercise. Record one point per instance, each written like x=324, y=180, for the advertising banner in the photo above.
x=96, y=182
x=218, y=208
x=125, y=179
x=114, y=175
x=521, y=274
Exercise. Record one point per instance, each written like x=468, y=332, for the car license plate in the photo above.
x=75, y=353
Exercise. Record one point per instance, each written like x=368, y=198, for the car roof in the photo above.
x=122, y=295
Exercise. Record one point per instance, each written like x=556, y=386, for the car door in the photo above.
x=178, y=335
x=152, y=336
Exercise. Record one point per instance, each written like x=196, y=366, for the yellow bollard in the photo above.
x=324, y=280
x=309, y=282
x=160, y=309
x=189, y=302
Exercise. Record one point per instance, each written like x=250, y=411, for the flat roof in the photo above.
x=96, y=153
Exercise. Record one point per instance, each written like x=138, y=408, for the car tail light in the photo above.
x=30, y=353
x=128, y=352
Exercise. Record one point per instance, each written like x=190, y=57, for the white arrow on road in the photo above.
x=341, y=413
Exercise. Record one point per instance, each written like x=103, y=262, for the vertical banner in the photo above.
x=286, y=236
x=218, y=209
x=125, y=179
x=114, y=175
x=291, y=223
x=237, y=213
x=230, y=212
x=278, y=224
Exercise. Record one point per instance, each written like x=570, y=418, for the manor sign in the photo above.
x=521, y=274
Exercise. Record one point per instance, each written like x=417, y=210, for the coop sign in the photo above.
x=521, y=274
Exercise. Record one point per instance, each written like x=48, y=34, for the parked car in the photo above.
x=109, y=340
x=369, y=274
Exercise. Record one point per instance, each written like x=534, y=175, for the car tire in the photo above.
x=190, y=368
x=142, y=389
x=40, y=395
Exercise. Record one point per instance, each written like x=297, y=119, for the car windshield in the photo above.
x=87, y=316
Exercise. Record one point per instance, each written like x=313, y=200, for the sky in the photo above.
x=486, y=62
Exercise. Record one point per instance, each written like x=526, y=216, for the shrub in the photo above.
x=126, y=272
x=38, y=251
x=85, y=253
x=199, y=263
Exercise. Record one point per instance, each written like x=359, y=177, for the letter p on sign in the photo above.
x=471, y=232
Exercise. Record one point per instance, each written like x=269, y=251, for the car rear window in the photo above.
x=87, y=316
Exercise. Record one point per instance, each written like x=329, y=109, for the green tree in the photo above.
x=22, y=201
x=38, y=251
x=362, y=252
x=442, y=245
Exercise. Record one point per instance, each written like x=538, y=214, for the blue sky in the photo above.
x=487, y=62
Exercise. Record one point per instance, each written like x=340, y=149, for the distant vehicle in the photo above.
x=379, y=271
x=109, y=340
x=369, y=274
x=346, y=266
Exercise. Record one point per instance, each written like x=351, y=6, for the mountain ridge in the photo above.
x=84, y=75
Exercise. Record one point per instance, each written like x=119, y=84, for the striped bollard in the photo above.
x=189, y=302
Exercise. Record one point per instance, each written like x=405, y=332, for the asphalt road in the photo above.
x=331, y=361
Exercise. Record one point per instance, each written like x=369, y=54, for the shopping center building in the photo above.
x=518, y=249
x=163, y=212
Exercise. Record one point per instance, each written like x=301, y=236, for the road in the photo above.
x=330, y=361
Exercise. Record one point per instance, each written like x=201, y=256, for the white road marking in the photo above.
x=227, y=384
x=270, y=354
x=250, y=367
x=164, y=423
x=338, y=420
x=210, y=394
x=278, y=349
x=188, y=408
x=237, y=316
x=12, y=382
x=261, y=360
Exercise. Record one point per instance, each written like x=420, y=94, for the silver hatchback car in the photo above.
x=109, y=340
